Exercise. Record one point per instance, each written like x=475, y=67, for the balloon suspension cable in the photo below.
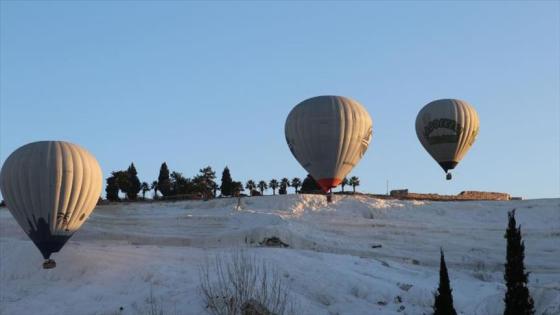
x=49, y=264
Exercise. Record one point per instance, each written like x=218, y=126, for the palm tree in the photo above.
x=262, y=186
x=354, y=181
x=145, y=188
x=344, y=183
x=250, y=185
x=154, y=187
x=296, y=183
x=273, y=185
x=284, y=184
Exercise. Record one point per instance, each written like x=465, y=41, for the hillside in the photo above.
x=359, y=255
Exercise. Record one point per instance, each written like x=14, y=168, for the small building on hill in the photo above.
x=399, y=192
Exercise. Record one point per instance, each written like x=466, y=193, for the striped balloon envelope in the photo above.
x=50, y=187
x=328, y=135
x=447, y=129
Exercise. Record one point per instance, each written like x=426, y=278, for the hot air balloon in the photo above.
x=328, y=135
x=50, y=187
x=447, y=129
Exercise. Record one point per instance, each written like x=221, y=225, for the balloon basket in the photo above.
x=448, y=176
x=49, y=264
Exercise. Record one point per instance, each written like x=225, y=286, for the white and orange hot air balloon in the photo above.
x=328, y=135
x=447, y=129
x=51, y=188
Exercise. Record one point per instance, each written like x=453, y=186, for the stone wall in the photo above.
x=464, y=195
x=485, y=195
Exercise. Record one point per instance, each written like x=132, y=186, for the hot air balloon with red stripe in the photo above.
x=328, y=135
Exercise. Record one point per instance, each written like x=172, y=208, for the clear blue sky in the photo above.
x=198, y=84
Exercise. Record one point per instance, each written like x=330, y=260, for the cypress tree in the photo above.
x=443, y=304
x=227, y=183
x=134, y=185
x=112, y=189
x=164, y=182
x=518, y=301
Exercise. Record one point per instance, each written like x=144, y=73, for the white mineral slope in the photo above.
x=126, y=253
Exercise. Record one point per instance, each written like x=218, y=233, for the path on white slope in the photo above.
x=333, y=264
